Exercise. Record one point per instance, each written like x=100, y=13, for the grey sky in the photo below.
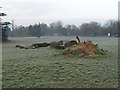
x=26, y=12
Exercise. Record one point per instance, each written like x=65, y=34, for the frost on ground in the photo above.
x=40, y=68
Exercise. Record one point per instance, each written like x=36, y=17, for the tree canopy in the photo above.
x=92, y=29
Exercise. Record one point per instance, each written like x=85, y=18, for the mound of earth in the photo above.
x=86, y=48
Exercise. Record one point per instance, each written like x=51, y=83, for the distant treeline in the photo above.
x=91, y=29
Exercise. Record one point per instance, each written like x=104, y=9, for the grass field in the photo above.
x=42, y=68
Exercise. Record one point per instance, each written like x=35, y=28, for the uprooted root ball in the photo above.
x=86, y=48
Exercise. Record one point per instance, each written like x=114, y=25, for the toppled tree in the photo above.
x=62, y=44
x=86, y=48
x=33, y=46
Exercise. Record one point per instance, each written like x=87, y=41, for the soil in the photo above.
x=87, y=48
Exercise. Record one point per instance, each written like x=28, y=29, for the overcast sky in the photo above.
x=26, y=12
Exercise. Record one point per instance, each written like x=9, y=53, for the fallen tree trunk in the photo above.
x=33, y=46
x=62, y=44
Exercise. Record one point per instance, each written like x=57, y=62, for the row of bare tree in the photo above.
x=92, y=29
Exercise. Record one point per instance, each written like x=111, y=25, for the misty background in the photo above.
x=26, y=12
x=61, y=17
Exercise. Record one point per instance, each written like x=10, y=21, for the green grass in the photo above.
x=44, y=68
